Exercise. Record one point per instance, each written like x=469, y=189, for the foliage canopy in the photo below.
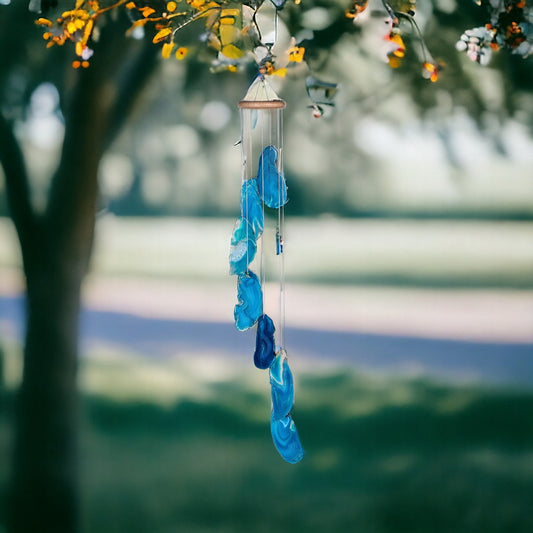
x=229, y=34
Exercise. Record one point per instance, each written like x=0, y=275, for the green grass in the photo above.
x=382, y=456
x=427, y=253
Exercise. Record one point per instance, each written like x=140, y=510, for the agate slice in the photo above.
x=282, y=387
x=286, y=439
x=251, y=206
x=264, y=342
x=250, y=301
x=243, y=247
x=270, y=181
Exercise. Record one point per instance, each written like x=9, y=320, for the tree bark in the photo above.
x=44, y=485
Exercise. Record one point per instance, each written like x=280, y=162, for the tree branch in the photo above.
x=71, y=207
x=102, y=98
x=17, y=185
x=134, y=79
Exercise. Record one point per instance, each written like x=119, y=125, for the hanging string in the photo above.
x=246, y=151
x=262, y=178
x=244, y=178
x=280, y=232
x=275, y=26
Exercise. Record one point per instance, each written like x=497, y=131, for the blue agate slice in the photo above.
x=250, y=298
x=270, y=181
x=282, y=387
x=286, y=439
x=264, y=343
x=251, y=206
x=243, y=247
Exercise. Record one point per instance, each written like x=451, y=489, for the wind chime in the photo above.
x=264, y=192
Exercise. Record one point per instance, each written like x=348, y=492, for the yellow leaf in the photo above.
x=167, y=50
x=140, y=22
x=171, y=7
x=228, y=34
x=396, y=38
x=87, y=31
x=130, y=5
x=232, y=52
x=136, y=24
x=205, y=9
x=196, y=4
x=75, y=13
x=394, y=61
x=296, y=54
x=229, y=16
x=431, y=71
x=71, y=27
x=161, y=34
x=358, y=7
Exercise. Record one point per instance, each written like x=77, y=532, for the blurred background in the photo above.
x=409, y=300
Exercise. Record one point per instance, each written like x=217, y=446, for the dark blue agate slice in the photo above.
x=264, y=343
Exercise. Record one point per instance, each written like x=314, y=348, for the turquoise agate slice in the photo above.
x=282, y=387
x=270, y=181
x=250, y=301
x=251, y=206
x=264, y=343
x=286, y=439
x=243, y=247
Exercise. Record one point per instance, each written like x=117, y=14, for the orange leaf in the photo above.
x=147, y=11
x=43, y=22
x=161, y=35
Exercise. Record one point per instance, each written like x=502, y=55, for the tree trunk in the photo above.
x=56, y=248
x=44, y=492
